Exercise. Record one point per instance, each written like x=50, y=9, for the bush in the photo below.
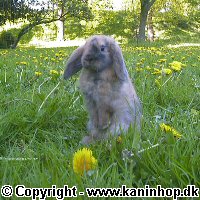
x=7, y=39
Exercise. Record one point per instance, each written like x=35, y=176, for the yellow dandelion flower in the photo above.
x=54, y=72
x=156, y=71
x=162, y=60
x=138, y=69
x=167, y=71
x=165, y=127
x=148, y=68
x=53, y=59
x=159, y=53
x=46, y=58
x=176, y=66
x=168, y=128
x=83, y=161
x=119, y=139
x=183, y=58
x=38, y=73
x=176, y=133
x=23, y=63
x=138, y=64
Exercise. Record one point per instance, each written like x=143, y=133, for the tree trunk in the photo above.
x=151, y=32
x=143, y=21
x=60, y=33
x=145, y=7
x=60, y=25
x=23, y=31
x=29, y=27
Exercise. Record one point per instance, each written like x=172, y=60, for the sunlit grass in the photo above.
x=43, y=118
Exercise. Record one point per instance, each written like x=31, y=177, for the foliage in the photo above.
x=117, y=23
x=19, y=9
x=174, y=16
x=43, y=117
x=82, y=19
x=7, y=39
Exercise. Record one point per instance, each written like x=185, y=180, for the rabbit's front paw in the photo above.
x=87, y=140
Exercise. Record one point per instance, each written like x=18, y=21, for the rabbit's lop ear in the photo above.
x=74, y=63
x=118, y=61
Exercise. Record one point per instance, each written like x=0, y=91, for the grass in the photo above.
x=43, y=117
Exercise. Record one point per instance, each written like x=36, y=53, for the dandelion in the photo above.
x=83, y=161
x=156, y=71
x=138, y=69
x=38, y=73
x=183, y=58
x=148, y=68
x=176, y=133
x=119, y=139
x=159, y=53
x=176, y=66
x=35, y=60
x=165, y=127
x=53, y=59
x=54, y=72
x=23, y=63
x=168, y=128
x=162, y=60
x=138, y=64
x=166, y=71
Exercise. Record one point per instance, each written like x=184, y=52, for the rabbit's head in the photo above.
x=97, y=54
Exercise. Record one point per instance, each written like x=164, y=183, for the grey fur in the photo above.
x=110, y=97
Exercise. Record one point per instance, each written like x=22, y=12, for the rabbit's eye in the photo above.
x=102, y=48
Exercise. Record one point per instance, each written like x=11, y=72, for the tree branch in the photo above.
x=30, y=26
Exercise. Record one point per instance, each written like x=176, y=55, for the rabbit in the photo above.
x=109, y=94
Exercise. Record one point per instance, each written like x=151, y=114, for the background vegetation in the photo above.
x=62, y=20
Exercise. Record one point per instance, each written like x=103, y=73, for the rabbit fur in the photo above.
x=110, y=97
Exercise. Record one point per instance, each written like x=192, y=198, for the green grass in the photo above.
x=44, y=117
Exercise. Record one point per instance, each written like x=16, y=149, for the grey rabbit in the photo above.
x=110, y=97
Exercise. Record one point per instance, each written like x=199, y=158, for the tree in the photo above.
x=145, y=8
x=12, y=10
x=36, y=12
x=60, y=24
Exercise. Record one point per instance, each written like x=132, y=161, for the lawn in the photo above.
x=43, y=118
